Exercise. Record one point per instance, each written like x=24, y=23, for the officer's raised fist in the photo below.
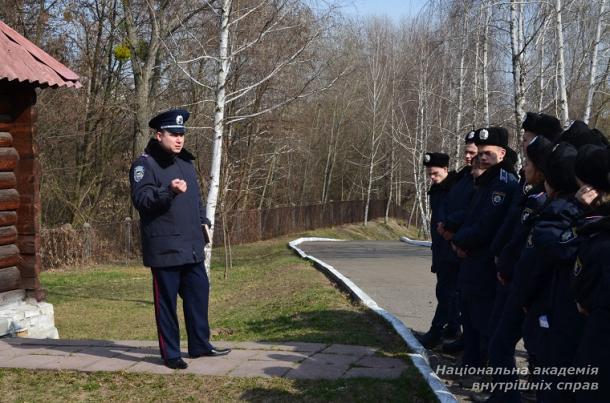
x=178, y=186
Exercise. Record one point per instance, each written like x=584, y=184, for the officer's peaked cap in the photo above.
x=559, y=168
x=491, y=136
x=593, y=166
x=542, y=124
x=171, y=120
x=436, y=160
x=539, y=150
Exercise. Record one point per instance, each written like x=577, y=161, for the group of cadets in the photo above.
x=525, y=257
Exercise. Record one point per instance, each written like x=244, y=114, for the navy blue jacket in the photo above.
x=591, y=274
x=170, y=224
x=457, y=201
x=490, y=203
x=523, y=217
x=505, y=233
x=548, y=256
x=438, y=194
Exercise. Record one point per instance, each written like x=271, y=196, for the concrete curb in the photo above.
x=415, y=242
x=419, y=357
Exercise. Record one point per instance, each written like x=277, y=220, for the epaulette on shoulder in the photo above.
x=503, y=175
x=537, y=195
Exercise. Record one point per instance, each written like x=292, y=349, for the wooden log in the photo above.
x=6, y=140
x=30, y=283
x=9, y=256
x=10, y=278
x=7, y=180
x=28, y=244
x=8, y=235
x=8, y=217
x=9, y=199
x=8, y=159
x=29, y=265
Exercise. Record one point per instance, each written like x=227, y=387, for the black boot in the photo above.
x=452, y=332
x=455, y=346
x=176, y=363
x=430, y=339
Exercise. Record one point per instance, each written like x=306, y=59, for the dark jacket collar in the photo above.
x=163, y=158
x=491, y=173
x=445, y=185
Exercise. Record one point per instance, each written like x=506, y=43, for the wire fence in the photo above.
x=120, y=241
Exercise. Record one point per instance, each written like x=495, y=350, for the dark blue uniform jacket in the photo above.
x=505, y=233
x=523, y=218
x=488, y=208
x=591, y=274
x=457, y=201
x=171, y=225
x=438, y=194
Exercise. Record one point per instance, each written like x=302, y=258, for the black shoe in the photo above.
x=430, y=339
x=455, y=346
x=176, y=363
x=215, y=352
x=452, y=333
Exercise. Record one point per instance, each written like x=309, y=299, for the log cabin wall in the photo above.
x=19, y=190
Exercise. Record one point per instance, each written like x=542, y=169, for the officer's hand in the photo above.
x=448, y=235
x=440, y=228
x=461, y=253
x=500, y=278
x=582, y=310
x=586, y=195
x=178, y=186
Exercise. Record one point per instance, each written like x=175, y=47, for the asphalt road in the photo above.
x=394, y=274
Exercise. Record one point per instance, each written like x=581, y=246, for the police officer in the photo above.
x=453, y=213
x=477, y=278
x=507, y=332
x=165, y=191
x=446, y=276
x=591, y=273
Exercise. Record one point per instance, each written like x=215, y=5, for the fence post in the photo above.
x=128, y=245
x=87, y=248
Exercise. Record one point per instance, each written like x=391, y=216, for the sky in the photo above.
x=396, y=9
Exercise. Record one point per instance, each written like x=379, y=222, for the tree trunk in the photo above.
x=563, y=96
x=593, y=64
x=221, y=79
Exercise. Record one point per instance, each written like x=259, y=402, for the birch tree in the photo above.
x=593, y=63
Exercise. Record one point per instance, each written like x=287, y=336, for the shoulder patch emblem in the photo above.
x=497, y=198
x=138, y=173
x=567, y=236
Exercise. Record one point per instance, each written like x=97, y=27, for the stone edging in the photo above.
x=419, y=357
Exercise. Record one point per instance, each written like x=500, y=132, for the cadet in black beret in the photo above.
x=165, y=191
x=540, y=124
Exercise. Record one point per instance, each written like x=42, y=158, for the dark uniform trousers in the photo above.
x=447, y=310
x=476, y=312
x=190, y=281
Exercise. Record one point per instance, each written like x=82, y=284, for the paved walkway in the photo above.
x=290, y=360
x=395, y=274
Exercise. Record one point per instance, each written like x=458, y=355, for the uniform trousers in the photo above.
x=447, y=310
x=190, y=281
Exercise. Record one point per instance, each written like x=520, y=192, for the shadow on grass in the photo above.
x=97, y=296
x=327, y=326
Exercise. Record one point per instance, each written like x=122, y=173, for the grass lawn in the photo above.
x=270, y=295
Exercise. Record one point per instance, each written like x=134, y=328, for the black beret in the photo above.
x=539, y=150
x=469, y=138
x=593, y=166
x=491, y=136
x=542, y=124
x=579, y=134
x=559, y=168
x=436, y=160
x=172, y=120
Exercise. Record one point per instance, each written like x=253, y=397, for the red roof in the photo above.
x=21, y=60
